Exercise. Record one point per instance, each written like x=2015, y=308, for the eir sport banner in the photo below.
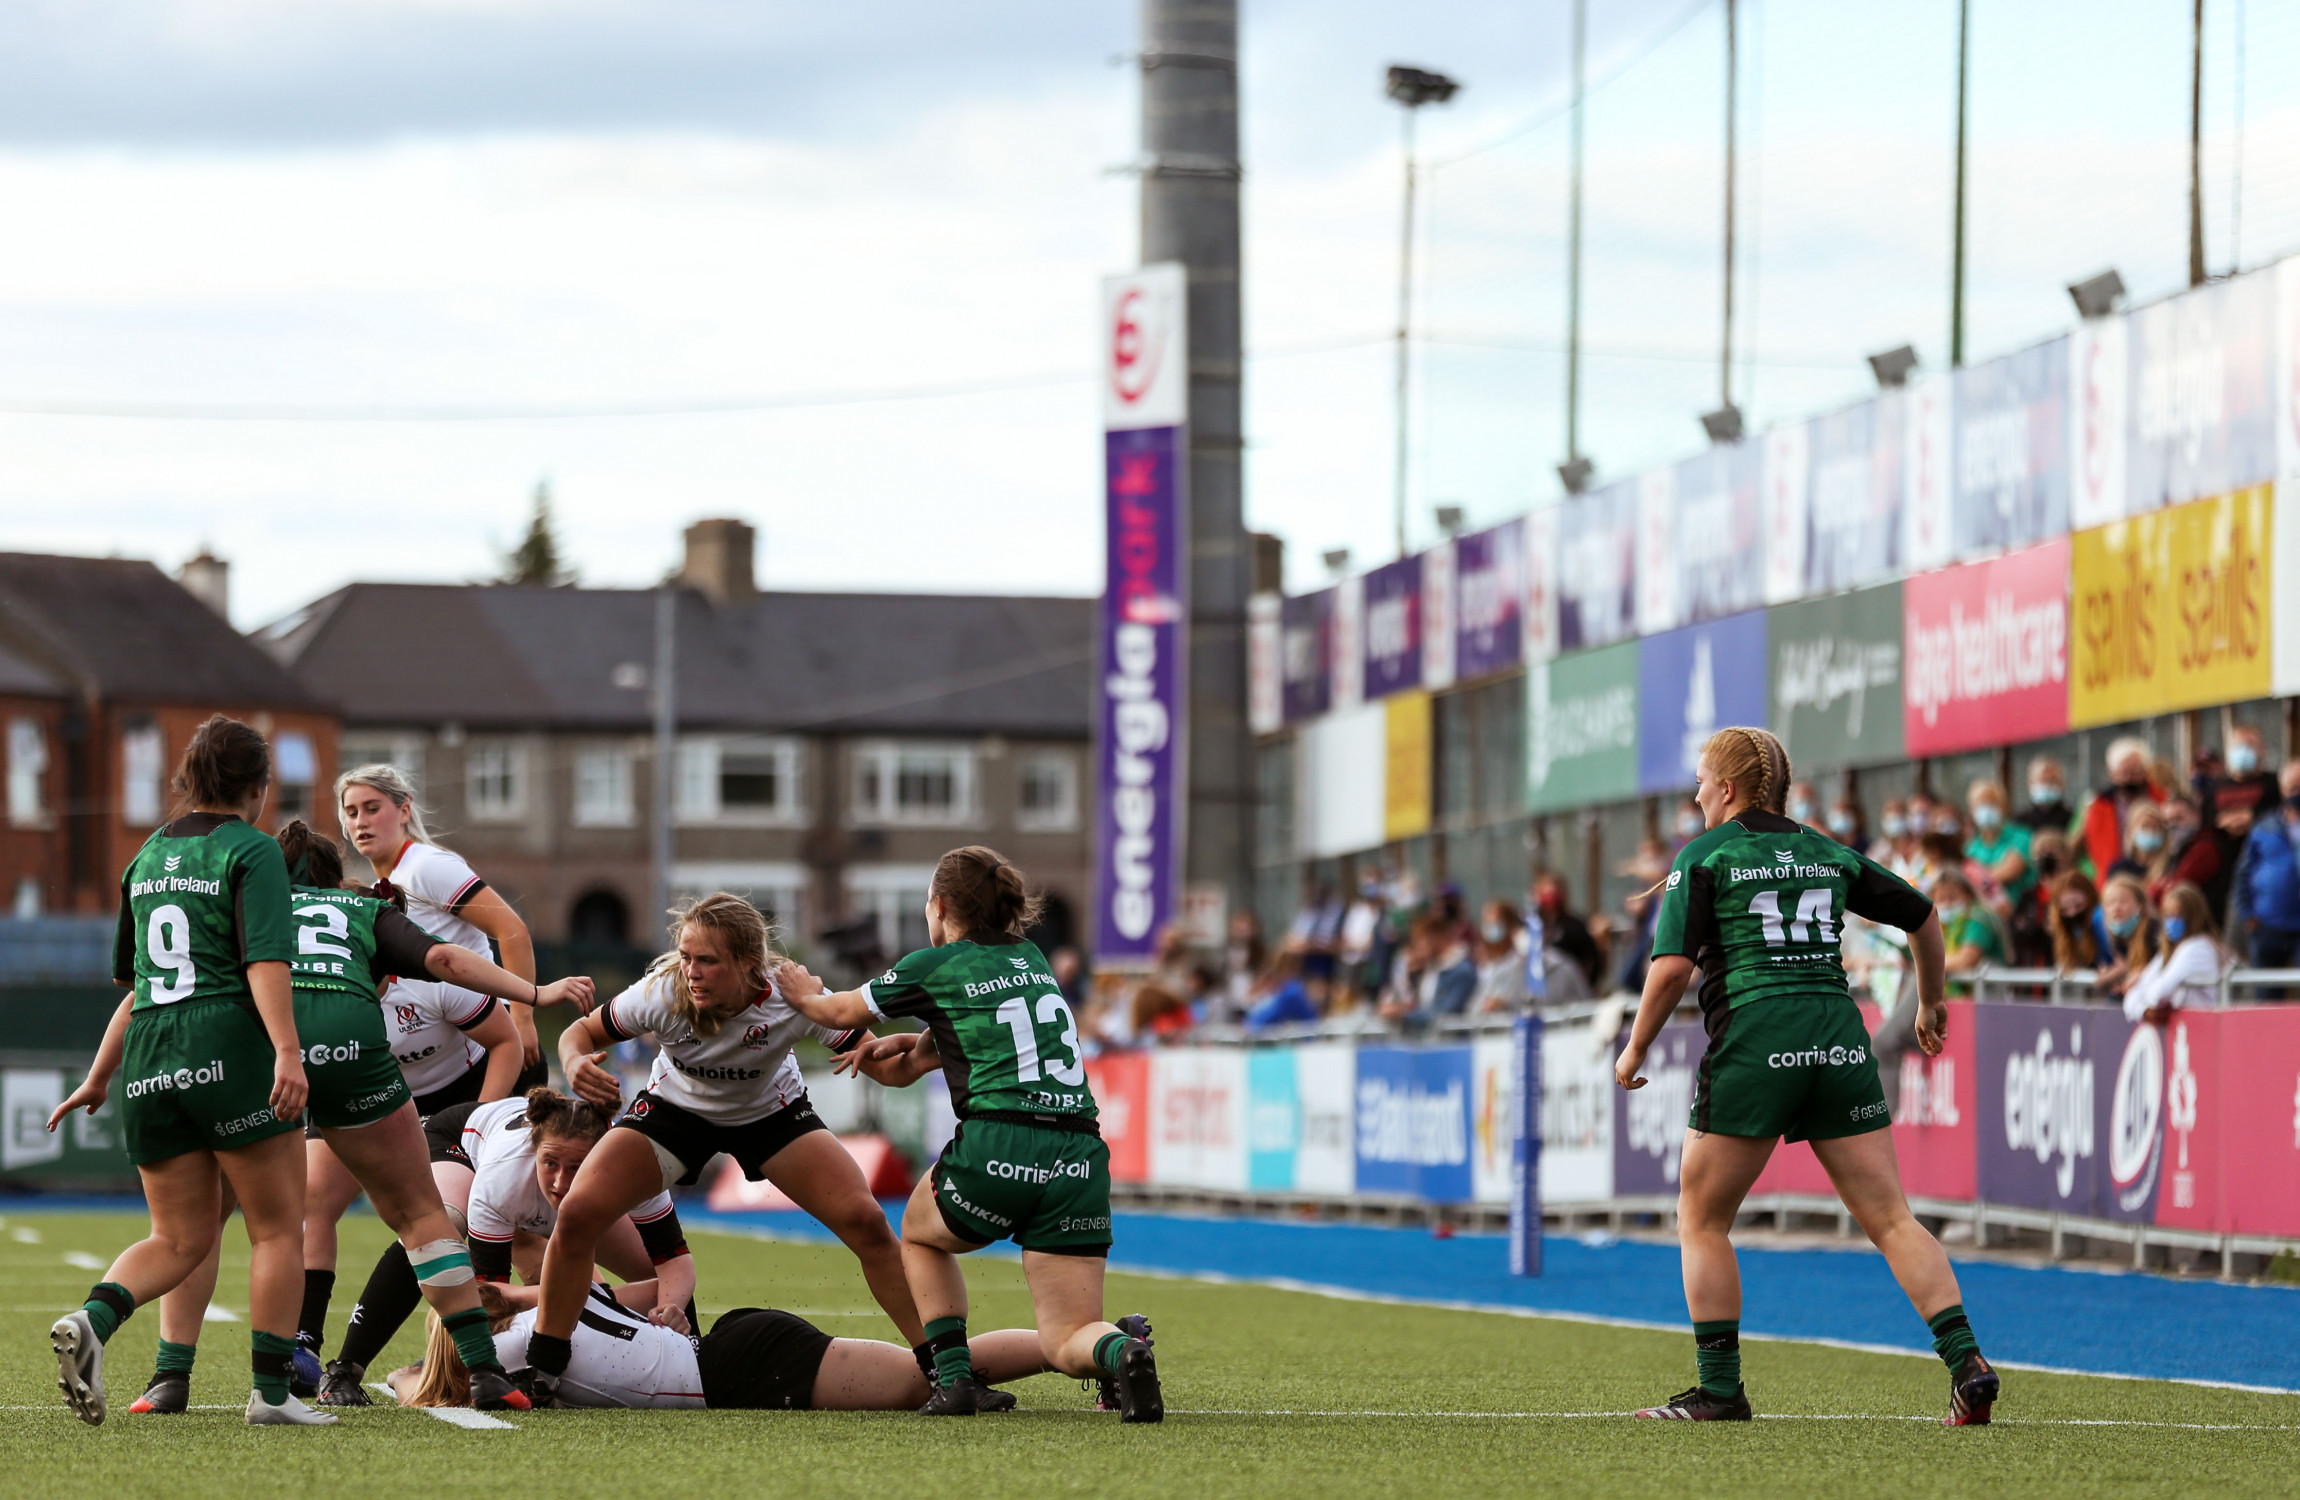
x=1141, y=687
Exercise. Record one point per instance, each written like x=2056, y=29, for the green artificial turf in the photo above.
x=1269, y=1394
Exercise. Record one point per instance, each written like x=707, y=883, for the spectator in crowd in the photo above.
x=2047, y=797
x=1243, y=958
x=2203, y=856
x=1160, y=1015
x=1648, y=870
x=1068, y=969
x=2080, y=940
x=1846, y=825
x=1999, y=845
x=2130, y=931
x=1688, y=824
x=2264, y=897
x=1967, y=933
x=1317, y=930
x=2184, y=974
x=2145, y=854
x=1564, y=931
x=1284, y=996
x=1804, y=804
x=2028, y=928
x=2107, y=818
x=2241, y=791
x=1893, y=839
x=1433, y=975
x=1500, y=957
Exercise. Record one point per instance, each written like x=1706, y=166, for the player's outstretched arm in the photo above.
x=582, y=1056
x=461, y=966
x=804, y=993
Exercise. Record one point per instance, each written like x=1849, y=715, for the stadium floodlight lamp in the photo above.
x=1893, y=366
x=1449, y=519
x=1415, y=87
x=2097, y=296
x=1723, y=425
x=1337, y=561
x=1574, y=473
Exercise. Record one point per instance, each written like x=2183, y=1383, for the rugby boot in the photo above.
x=540, y=1387
x=960, y=1398
x=492, y=1390
x=79, y=1365
x=1972, y=1391
x=341, y=1385
x=304, y=1373
x=289, y=1413
x=1133, y=1325
x=989, y=1398
x=1697, y=1405
x=1139, y=1399
x=168, y=1394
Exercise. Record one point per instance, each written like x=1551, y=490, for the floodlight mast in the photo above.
x=1411, y=88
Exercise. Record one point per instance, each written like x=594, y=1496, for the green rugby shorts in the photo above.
x=1046, y=1190
x=1794, y=1066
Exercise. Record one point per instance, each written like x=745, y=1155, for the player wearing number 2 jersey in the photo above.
x=1027, y=1162
x=1758, y=904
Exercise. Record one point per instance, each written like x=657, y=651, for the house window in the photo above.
x=402, y=751
x=1047, y=801
x=295, y=769
x=920, y=784
x=894, y=898
x=27, y=771
x=603, y=788
x=739, y=780
x=143, y=765
x=495, y=780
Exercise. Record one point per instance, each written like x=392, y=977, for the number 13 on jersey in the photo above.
x=1065, y=1065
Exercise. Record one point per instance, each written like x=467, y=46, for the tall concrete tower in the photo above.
x=1190, y=177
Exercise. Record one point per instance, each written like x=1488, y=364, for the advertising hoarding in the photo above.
x=1928, y=475
x=1489, y=598
x=2012, y=451
x=1720, y=539
x=1265, y=664
x=1306, y=646
x=1854, y=505
x=1392, y=629
x=1984, y=652
x=1413, y=1122
x=1835, y=679
x=1596, y=569
x=1690, y=683
x=1326, y=1112
x=1198, y=1117
x=2097, y=351
x=1581, y=729
x=1441, y=608
x=2199, y=392
x=1120, y=1082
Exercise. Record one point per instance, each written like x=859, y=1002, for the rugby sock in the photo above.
x=176, y=1359
x=946, y=1340
x=548, y=1354
x=1953, y=1337
x=270, y=1358
x=1717, y=1355
x=311, y=1324
x=472, y=1340
x=107, y=1307
x=389, y=1296
x=1106, y=1353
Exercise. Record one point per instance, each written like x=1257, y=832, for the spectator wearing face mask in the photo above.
x=2193, y=854
x=1846, y=825
x=1999, y=845
x=1804, y=804
x=1967, y=933
x=2028, y=928
x=2264, y=897
x=1567, y=933
x=2185, y=972
x=2128, y=933
x=1688, y=823
x=2240, y=791
x=1500, y=961
x=2147, y=852
x=1893, y=841
x=2047, y=797
x=2108, y=816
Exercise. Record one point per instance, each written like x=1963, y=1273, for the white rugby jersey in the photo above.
x=618, y=1358
x=744, y=1072
x=505, y=1195
x=438, y=883
x=425, y=1022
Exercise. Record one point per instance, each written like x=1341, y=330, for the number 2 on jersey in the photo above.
x=1053, y=1010
x=168, y=943
x=331, y=922
x=1813, y=923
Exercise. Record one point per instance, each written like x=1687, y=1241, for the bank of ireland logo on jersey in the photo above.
x=1020, y=963
x=173, y=861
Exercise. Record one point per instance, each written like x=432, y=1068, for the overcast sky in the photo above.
x=459, y=207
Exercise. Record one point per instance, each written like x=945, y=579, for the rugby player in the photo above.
x=1028, y=1161
x=1757, y=904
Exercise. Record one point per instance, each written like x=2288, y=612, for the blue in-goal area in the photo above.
x=2097, y=1322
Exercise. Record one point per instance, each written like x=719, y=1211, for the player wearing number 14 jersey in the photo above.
x=1027, y=1162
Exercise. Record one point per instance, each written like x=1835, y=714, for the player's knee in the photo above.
x=440, y=1264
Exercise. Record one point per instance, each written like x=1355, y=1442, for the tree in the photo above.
x=536, y=559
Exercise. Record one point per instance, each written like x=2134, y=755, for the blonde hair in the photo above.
x=444, y=1381
x=746, y=935
x=393, y=783
x=2123, y=747
x=1754, y=762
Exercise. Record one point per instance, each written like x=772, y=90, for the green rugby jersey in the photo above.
x=1758, y=903
x=1007, y=1038
x=205, y=897
x=346, y=942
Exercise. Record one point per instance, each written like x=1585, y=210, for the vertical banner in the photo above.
x=1393, y=629
x=1581, y=729
x=2096, y=402
x=1273, y=1120
x=1489, y=594
x=1142, y=688
x=1720, y=532
x=1835, y=679
x=1788, y=467
x=1691, y=682
x=1265, y=664
x=1441, y=615
x=1657, y=601
x=1406, y=766
x=1346, y=687
x=2286, y=572
x=1597, y=568
x=1538, y=608
x=2012, y=451
x=1984, y=652
x=2200, y=382
x=1928, y=474
x=1306, y=624
x=2172, y=609
x=1855, y=495
x=1121, y=1085
x=1525, y=1148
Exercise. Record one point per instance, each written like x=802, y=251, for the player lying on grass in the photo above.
x=1027, y=1161
x=362, y=1110
x=1757, y=904
x=724, y=1080
x=504, y=1169
x=754, y=1358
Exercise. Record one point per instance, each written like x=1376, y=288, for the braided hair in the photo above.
x=1754, y=761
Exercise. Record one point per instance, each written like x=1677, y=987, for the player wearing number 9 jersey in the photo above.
x=1757, y=903
x=1027, y=1162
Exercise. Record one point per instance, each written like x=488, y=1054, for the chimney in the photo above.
x=718, y=564
x=208, y=578
x=1269, y=562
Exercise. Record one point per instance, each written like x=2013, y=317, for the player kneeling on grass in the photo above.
x=1757, y=904
x=1027, y=1162
x=754, y=1358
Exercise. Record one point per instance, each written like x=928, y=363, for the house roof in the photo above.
x=510, y=656
x=121, y=629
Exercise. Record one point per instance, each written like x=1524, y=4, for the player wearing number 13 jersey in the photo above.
x=1027, y=1162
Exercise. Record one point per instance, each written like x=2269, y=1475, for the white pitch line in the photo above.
x=465, y=1417
x=1769, y=1416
